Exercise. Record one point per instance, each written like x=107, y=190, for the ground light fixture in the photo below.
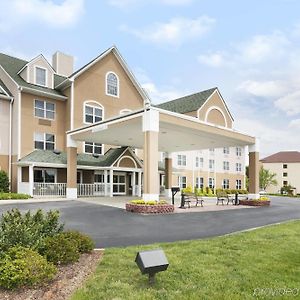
x=151, y=262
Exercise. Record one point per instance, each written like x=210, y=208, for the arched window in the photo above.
x=93, y=112
x=112, y=84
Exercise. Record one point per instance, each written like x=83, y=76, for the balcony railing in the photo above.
x=49, y=189
x=92, y=190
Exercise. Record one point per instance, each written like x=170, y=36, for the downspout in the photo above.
x=72, y=106
x=10, y=143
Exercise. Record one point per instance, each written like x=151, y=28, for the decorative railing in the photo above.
x=92, y=190
x=49, y=189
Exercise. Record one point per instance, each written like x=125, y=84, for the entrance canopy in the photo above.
x=176, y=132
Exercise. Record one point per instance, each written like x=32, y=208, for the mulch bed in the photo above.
x=68, y=279
x=255, y=203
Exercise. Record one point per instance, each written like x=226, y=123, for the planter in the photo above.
x=150, y=209
x=255, y=203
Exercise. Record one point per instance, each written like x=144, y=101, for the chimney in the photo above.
x=62, y=63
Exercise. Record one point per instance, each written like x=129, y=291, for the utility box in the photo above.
x=151, y=262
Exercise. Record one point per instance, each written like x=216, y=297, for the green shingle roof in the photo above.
x=3, y=87
x=13, y=65
x=46, y=156
x=187, y=103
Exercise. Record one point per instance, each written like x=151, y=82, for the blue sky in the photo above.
x=249, y=49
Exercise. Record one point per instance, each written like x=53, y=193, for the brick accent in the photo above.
x=254, y=203
x=150, y=209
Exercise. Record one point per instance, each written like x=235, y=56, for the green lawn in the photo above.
x=228, y=267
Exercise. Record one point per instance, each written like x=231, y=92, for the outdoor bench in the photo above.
x=223, y=196
x=188, y=198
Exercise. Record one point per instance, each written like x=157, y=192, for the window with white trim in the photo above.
x=44, y=141
x=112, y=84
x=211, y=164
x=182, y=182
x=44, y=109
x=92, y=114
x=225, y=184
x=226, y=150
x=199, y=182
x=199, y=162
x=181, y=160
x=238, y=167
x=44, y=175
x=40, y=76
x=238, y=184
x=93, y=148
x=238, y=151
x=211, y=182
x=226, y=165
x=212, y=150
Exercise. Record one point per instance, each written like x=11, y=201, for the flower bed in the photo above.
x=149, y=207
x=255, y=202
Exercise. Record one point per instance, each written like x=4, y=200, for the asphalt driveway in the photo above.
x=110, y=226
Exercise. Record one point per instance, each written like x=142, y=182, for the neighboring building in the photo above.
x=286, y=166
x=40, y=102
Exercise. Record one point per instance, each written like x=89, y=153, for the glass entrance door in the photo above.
x=119, y=184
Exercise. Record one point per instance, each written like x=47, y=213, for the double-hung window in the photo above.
x=44, y=109
x=238, y=167
x=93, y=148
x=199, y=182
x=181, y=160
x=225, y=184
x=211, y=182
x=211, y=164
x=226, y=165
x=182, y=182
x=238, y=151
x=92, y=114
x=238, y=184
x=226, y=150
x=40, y=76
x=44, y=141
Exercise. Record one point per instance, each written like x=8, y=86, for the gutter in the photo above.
x=43, y=93
x=10, y=142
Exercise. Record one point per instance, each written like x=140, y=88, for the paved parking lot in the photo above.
x=111, y=226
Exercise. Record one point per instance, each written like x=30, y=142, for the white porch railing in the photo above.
x=49, y=189
x=92, y=190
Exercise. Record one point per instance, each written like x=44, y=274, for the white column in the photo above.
x=133, y=184
x=105, y=183
x=31, y=183
x=111, y=182
x=139, y=184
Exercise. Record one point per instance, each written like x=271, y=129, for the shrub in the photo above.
x=188, y=189
x=4, y=182
x=264, y=198
x=150, y=202
x=27, y=230
x=60, y=249
x=84, y=243
x=24, y=267
x=14, y=196
x=137, y=202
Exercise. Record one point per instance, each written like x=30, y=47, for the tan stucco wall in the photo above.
x=4, y=163
x=293, y=178
x=215, y=100
x=4, y=126
x=31, y=124
x=216, y=117
x=61, y=175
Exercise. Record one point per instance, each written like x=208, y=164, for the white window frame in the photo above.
x=118, y=85
x=199, y=182
x=238, y=167
x=94, y=105
x=225, y=184
x=181, y=160
x=44, y=140
x=46, y=76
x=46, y=169
x=238, y=184
x=44, y=109
x=211, y=164
x=93, y=145
x=211, y=182
x=226, y=150
x=182, y=183
x=226, y=165
x=238, y=151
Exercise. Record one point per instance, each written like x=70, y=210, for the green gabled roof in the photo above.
x=46, y=156
x=3, y=89
x=13, y=65
x=187, y=103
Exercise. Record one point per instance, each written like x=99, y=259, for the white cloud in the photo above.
x=295, y=124
x=267, y=89
x=48, y=12
x=212, y=59
x=176, y=31
x=289, y=103
x=127, y=4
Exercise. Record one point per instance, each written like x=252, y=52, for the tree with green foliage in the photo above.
x=4, y=182
x=266, y=178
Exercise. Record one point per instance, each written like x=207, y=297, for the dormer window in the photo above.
x=112, y=84
x=40, y=76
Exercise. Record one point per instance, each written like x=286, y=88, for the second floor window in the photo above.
x=44, y=141
x=238, y=167
x=93, y=148
x=40, y=76
x=181, y=160
x=93, y=114
x=112, y=84
x=226, y=150
x=238, y=151
x=211, y=164
x=226, y=165
x=44, y=109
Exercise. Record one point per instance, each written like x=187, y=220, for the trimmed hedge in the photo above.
x=14, y=196
x=4, y=182
x=24, y=267
x=84, y=243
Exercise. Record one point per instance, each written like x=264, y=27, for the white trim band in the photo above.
x=71, y=193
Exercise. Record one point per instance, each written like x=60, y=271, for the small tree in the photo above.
x=4, y=182
x=266, y=178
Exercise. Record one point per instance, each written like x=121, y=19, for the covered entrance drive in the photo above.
x=153, y=130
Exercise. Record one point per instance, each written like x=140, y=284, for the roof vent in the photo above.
x=96, y=155
x=56, y=151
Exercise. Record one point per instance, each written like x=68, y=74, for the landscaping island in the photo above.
x=149, y=207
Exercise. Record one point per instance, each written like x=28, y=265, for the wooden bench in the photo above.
x=191, y=197
x=223, y=196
